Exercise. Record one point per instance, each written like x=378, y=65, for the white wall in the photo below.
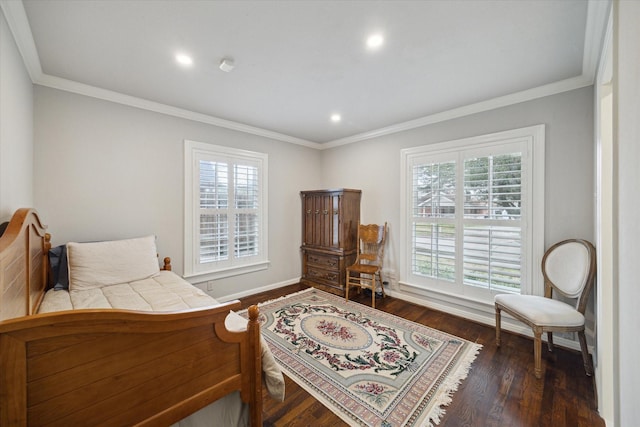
x=16, y=124
x=109, y=171
x=374, y=167
x=626, y=86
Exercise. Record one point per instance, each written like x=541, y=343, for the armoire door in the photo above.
x=308, y=216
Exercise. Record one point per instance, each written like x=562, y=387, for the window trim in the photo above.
x=192, y=151
x=534, y=139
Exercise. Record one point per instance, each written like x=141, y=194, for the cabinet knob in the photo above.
x=308, y=211
x=317, y=211
x=324, y=212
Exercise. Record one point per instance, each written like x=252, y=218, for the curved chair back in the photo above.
x=570, y=267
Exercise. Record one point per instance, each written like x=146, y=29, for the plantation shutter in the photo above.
x=247, y=205
x=214, y=203
x=466, y=221
x=229, y=214
x=492, y=236
x=226, y=207
x=433, y=225
x=472, y=217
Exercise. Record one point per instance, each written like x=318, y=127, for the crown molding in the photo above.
x=597, y=15
x=605, y=67
x=132, y=101
x=598, y=12
x=19, y=25
x=479, y=107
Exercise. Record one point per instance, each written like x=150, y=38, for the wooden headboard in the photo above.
x=24, y=248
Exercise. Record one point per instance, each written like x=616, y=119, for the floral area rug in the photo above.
x=369, y=367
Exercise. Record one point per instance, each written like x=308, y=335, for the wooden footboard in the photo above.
x=114, y=367
x=119, y=368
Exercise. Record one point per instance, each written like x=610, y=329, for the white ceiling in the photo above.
x=297, y=62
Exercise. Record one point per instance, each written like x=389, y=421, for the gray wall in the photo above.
x=16, y=127
x=374, y=165
x=109, y=171
x=105, y=171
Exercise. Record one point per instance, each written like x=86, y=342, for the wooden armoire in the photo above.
x=329, y=235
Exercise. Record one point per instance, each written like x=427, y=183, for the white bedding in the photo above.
x=166, y=291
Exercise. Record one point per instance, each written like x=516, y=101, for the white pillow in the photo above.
x=93, y=265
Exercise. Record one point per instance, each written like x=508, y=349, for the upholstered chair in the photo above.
x=569, y=268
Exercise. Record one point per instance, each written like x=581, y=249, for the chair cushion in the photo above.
x=541, y=311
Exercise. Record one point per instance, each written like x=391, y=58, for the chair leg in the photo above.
x=537, y=352
x=373, y=291
x=586, y=359
x=346, y=290
x=381, y=285
x=497, y=326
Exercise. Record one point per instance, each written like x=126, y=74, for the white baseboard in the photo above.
x=476, y=311
x=239, y=295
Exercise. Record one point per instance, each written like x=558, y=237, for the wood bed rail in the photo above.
x=116, y=367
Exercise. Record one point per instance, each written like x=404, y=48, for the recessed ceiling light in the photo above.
x=183, y=59
x=335, y=118
x=375, y=41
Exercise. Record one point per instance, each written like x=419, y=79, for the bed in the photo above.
x=95, y=364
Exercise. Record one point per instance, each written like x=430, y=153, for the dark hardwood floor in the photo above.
x=501, y=389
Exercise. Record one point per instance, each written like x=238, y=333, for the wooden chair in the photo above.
x=368, y=264
x=569, y=267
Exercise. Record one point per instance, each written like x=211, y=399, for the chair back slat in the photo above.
x=371, y=238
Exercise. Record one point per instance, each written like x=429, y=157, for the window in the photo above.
x=225, y=210
x=473, y=213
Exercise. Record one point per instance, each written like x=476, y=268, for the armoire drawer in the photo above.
x=329, y=277
x=328, y=262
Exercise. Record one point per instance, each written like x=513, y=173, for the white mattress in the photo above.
x=165, y=291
